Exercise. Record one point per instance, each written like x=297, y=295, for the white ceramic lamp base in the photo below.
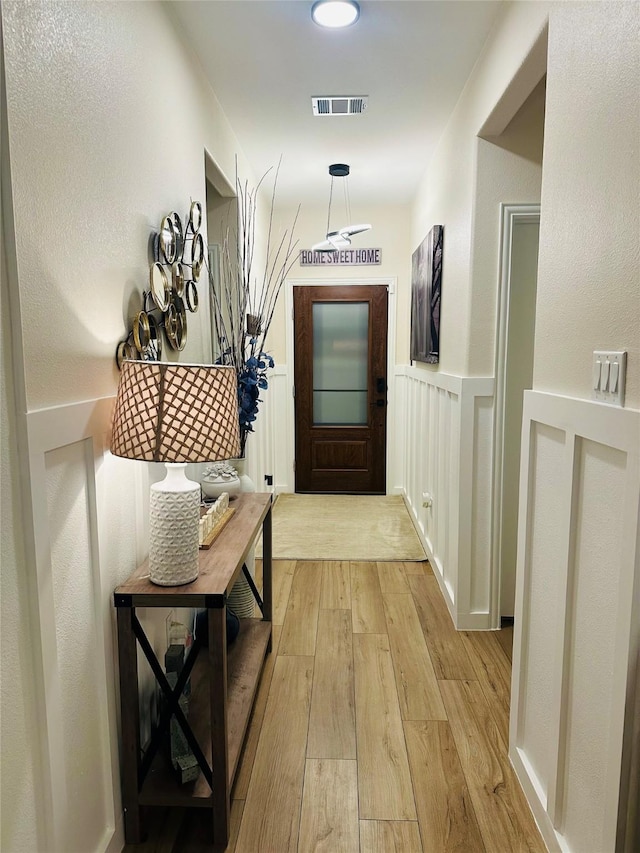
x=174, y=513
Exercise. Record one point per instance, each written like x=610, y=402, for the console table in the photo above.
x=223, y=685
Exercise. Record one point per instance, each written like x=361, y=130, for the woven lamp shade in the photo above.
x=176, y=413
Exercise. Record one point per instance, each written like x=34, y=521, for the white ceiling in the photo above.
x=265, y=59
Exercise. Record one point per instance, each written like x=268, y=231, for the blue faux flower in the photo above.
x=251, y=379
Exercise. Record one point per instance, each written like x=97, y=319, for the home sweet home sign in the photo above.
x=341, y=258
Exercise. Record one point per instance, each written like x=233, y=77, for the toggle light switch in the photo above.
x=597, y=364
x=608, y=377
x=614, y=371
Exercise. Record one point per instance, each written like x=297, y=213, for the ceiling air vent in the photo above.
x=339, y=105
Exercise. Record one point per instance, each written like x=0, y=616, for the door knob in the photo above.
x=381, y=385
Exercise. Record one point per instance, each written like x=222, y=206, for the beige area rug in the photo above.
x=344, y=527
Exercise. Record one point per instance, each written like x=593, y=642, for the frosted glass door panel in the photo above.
x=340, y=362
x=340, y=407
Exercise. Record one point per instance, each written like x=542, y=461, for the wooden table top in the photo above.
x=219, y=566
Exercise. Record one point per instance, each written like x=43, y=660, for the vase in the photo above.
x=241, y=599
x=246, y=483
x=214, y=485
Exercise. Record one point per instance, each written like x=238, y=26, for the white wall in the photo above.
x=589, y=264
x=447, y=194
x=573, y=717
x=124, y=117
x=390, y=233
x=508, y=170
x=108, y=119
x=587, y=299
x=463, y=189
x=20, y=766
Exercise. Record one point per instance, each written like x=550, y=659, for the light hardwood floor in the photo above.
x=377, y=727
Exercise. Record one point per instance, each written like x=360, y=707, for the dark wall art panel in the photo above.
x=426, y=288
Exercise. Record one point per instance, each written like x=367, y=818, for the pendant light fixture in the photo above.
x=340, y=239
x=335, y=13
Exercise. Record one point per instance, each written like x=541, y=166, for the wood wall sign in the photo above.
x=340, y=258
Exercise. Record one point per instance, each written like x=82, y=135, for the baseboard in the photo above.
x=477, y=621
x=116, y=842
x=535, y=800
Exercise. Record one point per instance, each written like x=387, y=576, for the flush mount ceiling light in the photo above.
x=335, y=13
x=341, y=238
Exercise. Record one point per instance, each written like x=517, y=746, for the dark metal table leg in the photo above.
x=266, y=572
x=130, y=716
x=219, y=741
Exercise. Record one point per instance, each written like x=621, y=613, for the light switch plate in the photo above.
x=609, y=371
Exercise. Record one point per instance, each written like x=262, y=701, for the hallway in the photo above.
x=377, y=726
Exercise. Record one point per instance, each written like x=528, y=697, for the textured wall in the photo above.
x=508, y=170
x=123, y=118
x=108, y=120
x=19, y=763
x=461, y=188
x=588, y=296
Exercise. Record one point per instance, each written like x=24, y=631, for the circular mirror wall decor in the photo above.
x=125, y=350
x=191, y=296
x=172, y=288
x=159, y=284
x=141, y=331
x=197, y=256
x=175, y=324
x=170, y=324
x=168, y=239
x=177, y=272
x=179, y=234
x=154, y=351
x=195, y=216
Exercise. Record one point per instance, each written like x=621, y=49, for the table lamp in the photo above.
x=175, y=413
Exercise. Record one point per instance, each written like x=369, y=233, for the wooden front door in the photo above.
x=340, y=335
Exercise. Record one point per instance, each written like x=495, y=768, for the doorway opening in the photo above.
x=510, y=161
x=221, y=215
x=520, y=237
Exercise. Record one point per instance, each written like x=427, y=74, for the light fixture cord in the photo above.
x=329, y=211
x=347, y=200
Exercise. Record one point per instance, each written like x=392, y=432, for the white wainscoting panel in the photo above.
x=577, y=620
x=481, y=510
x=541, y=608
x=83, y=688
x=444, y=429
x=268, y=447
x=77, y=560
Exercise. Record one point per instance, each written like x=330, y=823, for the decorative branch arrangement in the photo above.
x=243, y=306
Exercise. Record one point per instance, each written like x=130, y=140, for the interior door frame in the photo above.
x=510, y=216
x=390, y=282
